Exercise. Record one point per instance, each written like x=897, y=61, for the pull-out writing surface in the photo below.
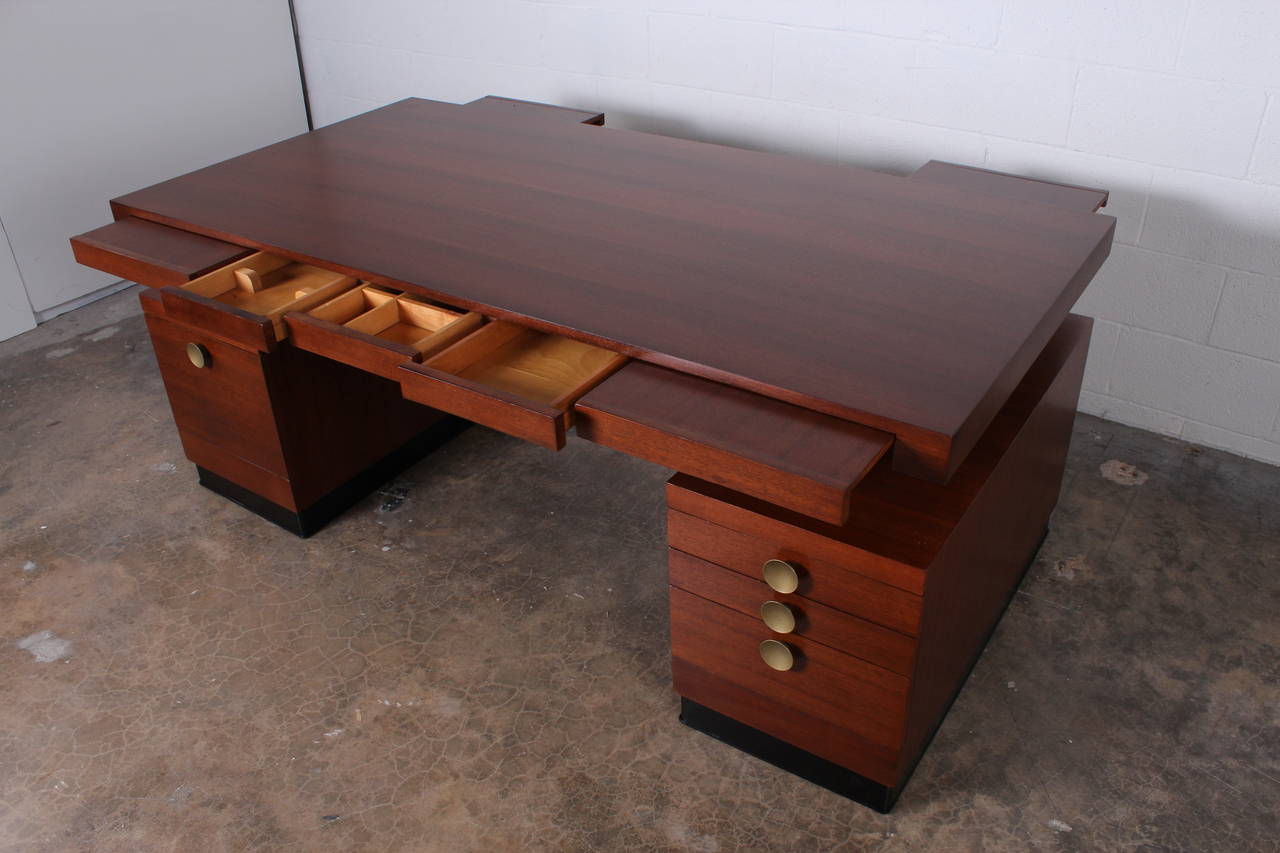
x=795, y=457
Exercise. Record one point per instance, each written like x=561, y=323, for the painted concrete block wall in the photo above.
x=1174, y=105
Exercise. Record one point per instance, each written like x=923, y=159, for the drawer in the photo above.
x=245, y=301
x=225, y=403
x=821, y=683
x=795, y=615
x=818, y=581
x=517, y=380
x=377, y=330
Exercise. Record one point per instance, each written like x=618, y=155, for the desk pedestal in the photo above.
x=833, y=651
x=291, y=436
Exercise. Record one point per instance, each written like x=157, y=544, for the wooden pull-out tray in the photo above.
x=512, y=378
x=151, y=254
x=788, y=455
x=245, y=301
x=376, y=330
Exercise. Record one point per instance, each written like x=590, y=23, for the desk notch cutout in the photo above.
x=1004, y=185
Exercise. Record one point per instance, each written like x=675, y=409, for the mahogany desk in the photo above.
x=865, y=382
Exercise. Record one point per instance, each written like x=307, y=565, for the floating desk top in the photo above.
x=913, y=307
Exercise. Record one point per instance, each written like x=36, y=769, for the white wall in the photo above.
x=1174, y=105
x=100, y=98
x=15, y=308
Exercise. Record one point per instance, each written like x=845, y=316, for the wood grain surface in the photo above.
x=865, y=700
x=833, y=585
x=906, y=305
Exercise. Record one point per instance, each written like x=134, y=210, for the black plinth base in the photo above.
x=313, y=518
x=792, y=759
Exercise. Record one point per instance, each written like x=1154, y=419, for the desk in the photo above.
x=866, y=383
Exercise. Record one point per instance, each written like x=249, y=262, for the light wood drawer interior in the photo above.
x=512, y=378
x=376, y=329
x=253, y=292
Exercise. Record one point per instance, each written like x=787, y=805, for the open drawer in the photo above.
x=245, y=301
x=514, y=379
x=377, y=330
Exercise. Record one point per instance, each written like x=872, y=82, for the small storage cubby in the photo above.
x=512, y=378
x=376, y=329
x=267, y=286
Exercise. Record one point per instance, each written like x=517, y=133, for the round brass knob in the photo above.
x=777, y=655
x=199, y=355
x=781, y=576
x=778, y=616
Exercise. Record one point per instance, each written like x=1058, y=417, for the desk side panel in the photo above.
x=979, y=568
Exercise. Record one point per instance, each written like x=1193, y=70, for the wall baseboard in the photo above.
x=71, y=305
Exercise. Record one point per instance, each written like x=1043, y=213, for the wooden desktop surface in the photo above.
x=910, y=306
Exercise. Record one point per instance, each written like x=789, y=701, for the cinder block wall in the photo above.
x=1172, y=104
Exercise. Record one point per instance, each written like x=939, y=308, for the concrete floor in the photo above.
x=476, y=659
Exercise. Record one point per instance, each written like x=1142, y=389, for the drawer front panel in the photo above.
x=214, y=318
x=225, y=403
x=820, y=582
x=866, y=700
x=822, y=624
x=245, y=302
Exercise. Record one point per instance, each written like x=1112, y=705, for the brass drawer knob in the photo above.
x=781, y=576
x=777, y=655
x=778, y=616
x=199, y=355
